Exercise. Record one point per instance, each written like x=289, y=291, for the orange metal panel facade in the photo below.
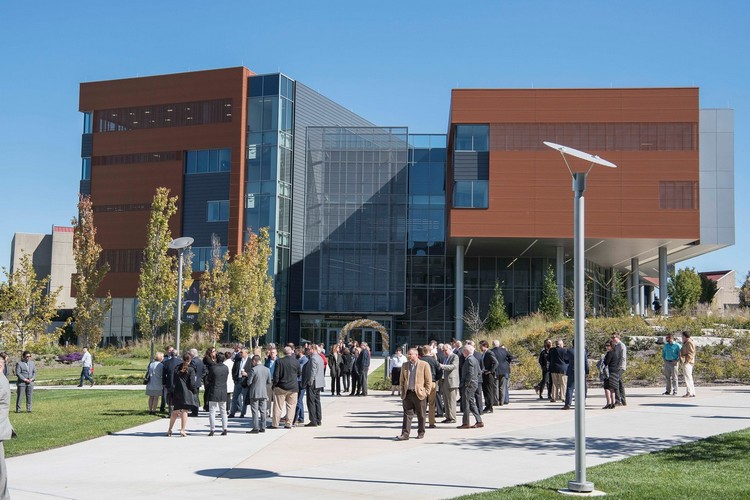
x=136, y=183
x=530, y=192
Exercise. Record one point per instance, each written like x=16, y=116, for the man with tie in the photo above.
x=449, y=383
x=470, y=372
x=239, y=370
x=26, y=374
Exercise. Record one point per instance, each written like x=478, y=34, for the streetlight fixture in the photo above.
x=580, y=485
x=179, y=244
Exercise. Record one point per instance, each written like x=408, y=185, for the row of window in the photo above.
x=678, y=195
x=164, y=115
x=203, y=257
x=135, y=207
x=206, y=161
x=157, y=156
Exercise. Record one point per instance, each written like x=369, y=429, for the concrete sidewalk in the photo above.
x=354, y=453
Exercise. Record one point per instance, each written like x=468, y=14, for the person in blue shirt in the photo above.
x=670, y=353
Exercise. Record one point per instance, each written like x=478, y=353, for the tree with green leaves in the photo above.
x=745, y=292
x=157, y=286
x=89, y=311
x=215, y=288
x=252, y=296
x=27, y=308
x=550, y=305
x=497, y=316
x=618, y=301
x=709, y=288
x=684, y=288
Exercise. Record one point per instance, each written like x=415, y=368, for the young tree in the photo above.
x=745, y=292
x=157, y=287
x=550, y=304
x=89, y=311
x=684, y=289
x=251, y=294
x=708, y=289
x=473, y=320
x=618, y=302
x=215, y=288
x=26, y=307
x=497, y=317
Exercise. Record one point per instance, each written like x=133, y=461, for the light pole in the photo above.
x=179, y=244
x=580, y=484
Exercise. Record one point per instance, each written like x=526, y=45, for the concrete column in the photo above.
x=634, y=267
x=651, y=297
x=663, y=293
x=560, y=272
x=459, y=296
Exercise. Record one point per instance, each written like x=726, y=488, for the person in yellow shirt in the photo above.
x=687, y=358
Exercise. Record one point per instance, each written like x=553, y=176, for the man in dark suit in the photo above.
x=479, y=393
x=257, y=394
x=489, y=376
x=571, y=373
x=436, y=373
x=26, y=374
x=164, y=393
x=363, y=367
x=168, y=377
x=503, y=371
x=469, y=376
x=199, y=368
x=313, y=380
x=558, y=368
x=240, y=368
x=285, y=387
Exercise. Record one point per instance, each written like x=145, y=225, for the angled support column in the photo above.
x=663, y=293
x=459, y=296
x=634, y=267
x=560, y=273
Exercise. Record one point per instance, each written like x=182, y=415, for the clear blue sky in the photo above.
x=393, y=62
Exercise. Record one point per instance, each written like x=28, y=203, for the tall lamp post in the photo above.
x=179, y=244
x=580, y=484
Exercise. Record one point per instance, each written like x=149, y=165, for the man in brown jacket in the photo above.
x=415, y=385
x=687, y=357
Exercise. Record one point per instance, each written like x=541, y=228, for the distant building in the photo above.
x=52, y=255
x=727, y=293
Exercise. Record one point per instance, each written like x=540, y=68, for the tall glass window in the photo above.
x=472, y=138
x=471, y=194
x=85, y=169
x=208, y=161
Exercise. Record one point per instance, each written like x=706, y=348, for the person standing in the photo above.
x=363, y=367
x=356, y=351
x=6, y=429
x=299, y=414
x=558, y=367
x=313, y=379
x=229, y=362
x=335, y=367
x=544, y=365
x=86, y=364
x=4, y=356
x=397, y=361
x=200, y=373
x=622, y=353
x=503, y=372
x=449, y=383
x=608, y=370
x=489, y=377
x=571, y=375
x=670, y=353
x=470, y=372
x=155, y=385
x=687, y=357
x=257, y=394
x=415, y=385
x=25, y=374
x=239, y=371
x=184, y=399
x=347, y=361
x=216, y=392
x=436, y=373
x=285, y=387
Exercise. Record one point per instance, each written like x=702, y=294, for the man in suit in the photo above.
x=449, y=383
x=313, y=380
x=363, y=367
x=558, y=368
x=479, y=393
x=503, y=371
x=415, y=384
x=623, y=352
x=436, y=373
x=489, y=377
x=571, y=374
x=469, y=376
x=285, y=387
x=257, y=393
x=199, y=368
x=239, y=370
x=168, y=377
x=164, y=393
x=26, y=374
x=6, y=430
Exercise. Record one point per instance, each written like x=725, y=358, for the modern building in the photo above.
x=52, y=255
x=727, y=296
x=401, y=228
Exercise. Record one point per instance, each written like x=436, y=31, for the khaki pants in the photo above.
x=559, y=382
x=431, y=397
x=670, y=373
x=281, y=397
x=687, y=373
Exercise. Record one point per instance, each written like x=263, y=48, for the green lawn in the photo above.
x=717, y=467
x=63, y=417
x=127, y=371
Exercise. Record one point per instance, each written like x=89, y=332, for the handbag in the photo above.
x=146, y=377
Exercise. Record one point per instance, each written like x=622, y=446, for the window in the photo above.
x=164, y=115
x=86, y=169
x=87, y=121
x=218, y=211
x=203, y=257
x=471, y=194
x=678, y=195
x=208, y=161
x=472, y=138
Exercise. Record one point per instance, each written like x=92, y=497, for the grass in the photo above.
x=716, y=467
x=126, y=371
x=63, y=417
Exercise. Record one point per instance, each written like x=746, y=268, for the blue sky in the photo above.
x=393, y=62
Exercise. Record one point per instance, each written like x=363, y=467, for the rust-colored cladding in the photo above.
x=137, y=183
x=530, y=192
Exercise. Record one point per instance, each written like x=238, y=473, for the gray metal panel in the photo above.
x=716, y=153
x=87, y=145
x=310, y=109
x=200, y=189
x=471, y=166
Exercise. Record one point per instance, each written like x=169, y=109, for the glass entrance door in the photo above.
x=332, y=337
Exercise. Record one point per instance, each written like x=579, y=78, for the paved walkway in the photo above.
x=353, y=455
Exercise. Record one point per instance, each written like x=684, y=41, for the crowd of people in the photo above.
x=275, y=388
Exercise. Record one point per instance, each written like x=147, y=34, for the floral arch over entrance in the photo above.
x=368, y=323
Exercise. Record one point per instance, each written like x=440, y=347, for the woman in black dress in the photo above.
x=611, y=362
x=183, y=397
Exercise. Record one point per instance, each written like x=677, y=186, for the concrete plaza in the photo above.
x=354, y=453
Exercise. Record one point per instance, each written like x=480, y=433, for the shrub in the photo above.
x=72, y=357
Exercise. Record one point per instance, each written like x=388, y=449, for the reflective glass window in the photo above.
x=472, y=138
x=471, y=194
x=86, y=169
x=202, y=162
x=218, y=211
x=225, y=159
x=87, y=122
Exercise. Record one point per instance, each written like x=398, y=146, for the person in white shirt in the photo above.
x=87, y=362
x=397, y=361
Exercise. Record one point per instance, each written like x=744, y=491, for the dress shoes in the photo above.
x=210, y=433
x=311, y=425
x=262, y=430
x=488, y=410
x=478, y=425
x=273, y=427
x=432, y=426
x=566, y=407
x=224, y=432
x=464, y=426
x=666, y=393
x=448, y=421
x=401, y=437
x=254, y=431
x=420, y=436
